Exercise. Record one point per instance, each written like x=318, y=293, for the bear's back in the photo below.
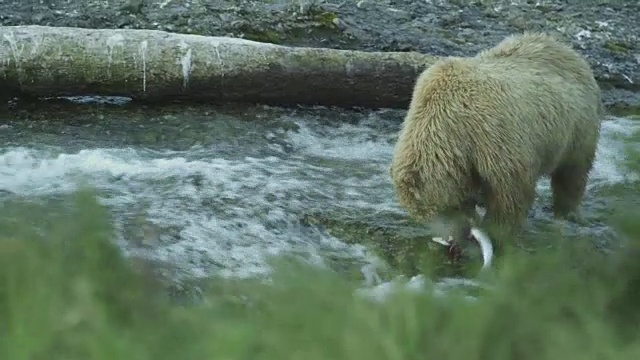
x=510, y=95
x=497, y=89
x=542, y=52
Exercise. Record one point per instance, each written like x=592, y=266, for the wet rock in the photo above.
x=404, y=245
x=622, y=102
x=132, y=6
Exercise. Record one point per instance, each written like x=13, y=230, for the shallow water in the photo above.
x=218, y=192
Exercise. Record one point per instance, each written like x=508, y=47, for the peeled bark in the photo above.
x=151, y=65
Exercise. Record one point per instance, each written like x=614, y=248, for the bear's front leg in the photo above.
x=507, y=211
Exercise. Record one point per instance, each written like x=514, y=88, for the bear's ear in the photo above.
x=412, y=183
x=411, y=178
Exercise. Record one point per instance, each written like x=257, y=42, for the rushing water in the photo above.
x=225, y=202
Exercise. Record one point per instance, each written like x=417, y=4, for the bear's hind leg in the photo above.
x=568, y=183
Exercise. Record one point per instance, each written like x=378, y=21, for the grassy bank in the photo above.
x=70, y=295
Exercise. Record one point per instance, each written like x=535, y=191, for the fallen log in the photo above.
x=156, y=66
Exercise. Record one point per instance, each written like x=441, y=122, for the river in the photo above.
x=229, y=193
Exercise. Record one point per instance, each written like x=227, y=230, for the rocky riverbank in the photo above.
x=607, y=34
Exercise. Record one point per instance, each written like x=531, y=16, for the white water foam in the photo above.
x=223, y=214
x=416, y=284
x=242, y=212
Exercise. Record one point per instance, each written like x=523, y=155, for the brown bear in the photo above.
x=486, y=128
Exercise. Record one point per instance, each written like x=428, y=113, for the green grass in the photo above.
x=71, y=295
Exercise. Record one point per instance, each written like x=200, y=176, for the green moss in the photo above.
x=617, y=46
x=265, y=36
x=621, y=110
x=326, y=19
x=322, y=26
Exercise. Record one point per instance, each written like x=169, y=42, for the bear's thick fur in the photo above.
x=488, y=127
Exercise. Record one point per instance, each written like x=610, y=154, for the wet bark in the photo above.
x=157, y=66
